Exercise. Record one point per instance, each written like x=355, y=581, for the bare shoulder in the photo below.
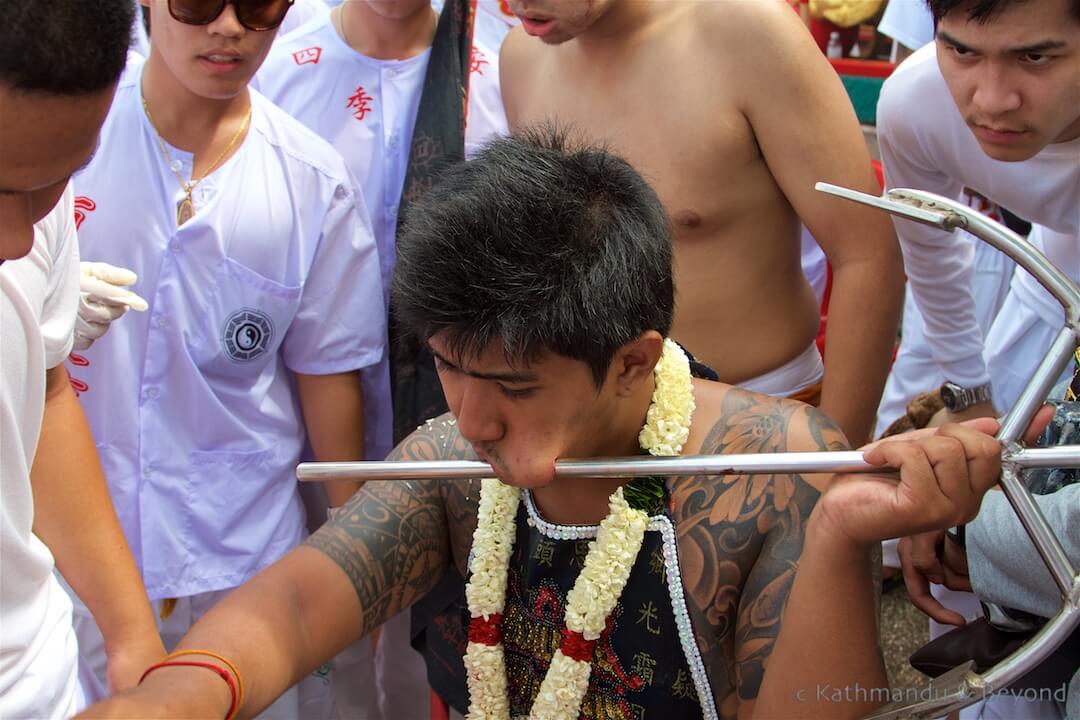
x=517, y=56
x=755, y=26
x=762, y=41
x=394, y=539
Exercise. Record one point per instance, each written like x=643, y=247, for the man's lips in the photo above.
x=221, y=59
x=998, y=135
x=537, y=27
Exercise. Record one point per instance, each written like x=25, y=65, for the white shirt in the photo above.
x=302, y=12
x=367, y=109
x=926, y=145
x=192, y=403
x=38, y=299
x=908, y=22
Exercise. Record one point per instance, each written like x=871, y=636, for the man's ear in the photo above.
x=634, y=362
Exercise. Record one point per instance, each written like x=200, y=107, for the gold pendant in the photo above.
x=184, y=211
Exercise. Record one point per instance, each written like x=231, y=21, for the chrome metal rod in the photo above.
x=1042, y=536
x=1019, y=249
x=636, y=466
x=1038, y=387
x=1064, y=456
x=639, y=466
x=1035, y=650
x=931, y=209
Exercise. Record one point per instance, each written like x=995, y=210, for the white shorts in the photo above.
x=791, y=377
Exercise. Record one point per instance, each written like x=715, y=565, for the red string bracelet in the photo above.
x=225, y=675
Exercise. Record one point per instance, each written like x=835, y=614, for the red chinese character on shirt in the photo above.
x=307, y=55
x=358, y=102
x=504, y=8
x=476, y=61
x=83, y=205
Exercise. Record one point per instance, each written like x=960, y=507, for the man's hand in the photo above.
x=102, y=299
x=943, y=476
x=934, y=557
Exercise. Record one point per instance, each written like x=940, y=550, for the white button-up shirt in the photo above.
x=192, y=403
x=38, y=296
x=367, y=109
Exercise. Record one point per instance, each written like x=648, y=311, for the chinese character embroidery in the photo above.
x=647, y=614
x=656, y=564
x=358, y=103
x=581, y=551
x=544, y=553
x=682, y=687
x=643, y=667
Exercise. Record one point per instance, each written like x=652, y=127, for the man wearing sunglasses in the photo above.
x=55, y=513
x=257, y=259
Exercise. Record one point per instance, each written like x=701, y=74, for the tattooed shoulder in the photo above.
x=740, y=536
x=394, y=538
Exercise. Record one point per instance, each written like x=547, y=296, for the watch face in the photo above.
x=950, y=396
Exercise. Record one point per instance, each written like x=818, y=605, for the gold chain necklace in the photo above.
x=186, y=209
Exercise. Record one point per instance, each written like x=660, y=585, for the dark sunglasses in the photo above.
x=255, y=15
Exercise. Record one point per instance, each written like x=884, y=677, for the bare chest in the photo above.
x=674, y=119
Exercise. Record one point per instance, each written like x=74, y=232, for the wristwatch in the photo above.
x=958, y=398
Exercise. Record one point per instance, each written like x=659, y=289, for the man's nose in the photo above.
x=227, y=24
x=997, y=92
x=477, y=418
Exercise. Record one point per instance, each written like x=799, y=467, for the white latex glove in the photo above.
x=102, y=299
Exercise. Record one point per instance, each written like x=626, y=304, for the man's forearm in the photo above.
x=74, y=517
x=275, y=629
x=826, y=661
x=333, y=407
x=864, y=313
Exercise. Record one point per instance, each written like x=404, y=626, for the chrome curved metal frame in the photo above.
x=961, y=686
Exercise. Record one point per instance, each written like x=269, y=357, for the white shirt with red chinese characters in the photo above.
x=927, y=145
x=39, y=294
x=193, y=404
x=367, y=109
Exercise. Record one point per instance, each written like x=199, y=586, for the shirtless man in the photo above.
x=732, y=114
x=544, y=353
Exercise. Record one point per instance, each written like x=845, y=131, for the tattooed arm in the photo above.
x=826, y=661
x=383, y=553
x=740, y=539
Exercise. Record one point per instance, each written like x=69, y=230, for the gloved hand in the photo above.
x=102, y=299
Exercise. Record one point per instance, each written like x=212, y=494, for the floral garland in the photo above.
x=599, y=585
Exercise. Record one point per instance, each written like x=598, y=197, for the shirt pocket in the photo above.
x=238, y=507
x=242, y=329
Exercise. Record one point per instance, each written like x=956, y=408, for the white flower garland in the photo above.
x=599, y=585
